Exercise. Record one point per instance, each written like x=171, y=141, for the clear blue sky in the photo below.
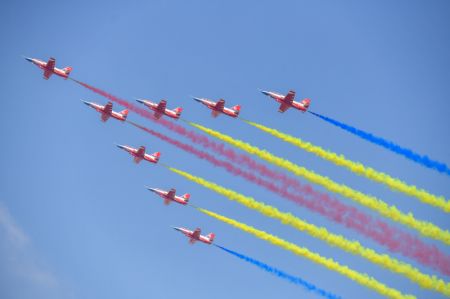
x=76, y=220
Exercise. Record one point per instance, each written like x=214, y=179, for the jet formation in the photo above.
x=106, y=111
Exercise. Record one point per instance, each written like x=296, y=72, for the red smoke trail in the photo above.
x=381, y=232
x=377, y=230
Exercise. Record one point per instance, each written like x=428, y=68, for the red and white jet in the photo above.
x=196, y=236
x=287, y=101
x=219, y=107
x=107, y=112
x=139, y=154
x=49, y=68
x=160, y=109
x=170, y=196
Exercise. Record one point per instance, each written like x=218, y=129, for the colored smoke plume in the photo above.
x=405, y=152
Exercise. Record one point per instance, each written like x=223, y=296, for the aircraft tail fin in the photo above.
x=156, y=155
x=178, y=111
x=211, y=236
x=67, y=70
x=186, y=197
x=124, y=113
x=236, y=108
x=306, y=102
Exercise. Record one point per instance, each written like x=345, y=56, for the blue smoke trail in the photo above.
x=409, y=154
x=281, y=274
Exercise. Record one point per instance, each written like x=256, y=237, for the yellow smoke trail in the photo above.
x=425, y=228
x=354, y=247
x=360, y=169
x=360, y=278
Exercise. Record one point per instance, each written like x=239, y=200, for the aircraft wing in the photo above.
x=171, y=193
x=162, y=105
x=220, y=105
x=283, y=107
x=157, y=114
x=47, y=74
x=51, y=64
x=289, y=97
x=215, y=113
x=49, y=67
x=196, y=233
x=104, y=117
x=141, y=151
x=108, y=108
x=167, y=201
x=137, y=159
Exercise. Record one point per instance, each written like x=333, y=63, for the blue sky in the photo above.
x=76, y=220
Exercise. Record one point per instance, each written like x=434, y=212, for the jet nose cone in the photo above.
x=85, y=102
x=264, y=92
x=120, y=146
x=197, y=99
x=151, y=189
x=28, y=59
x=175, y=228
x=140, y=101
